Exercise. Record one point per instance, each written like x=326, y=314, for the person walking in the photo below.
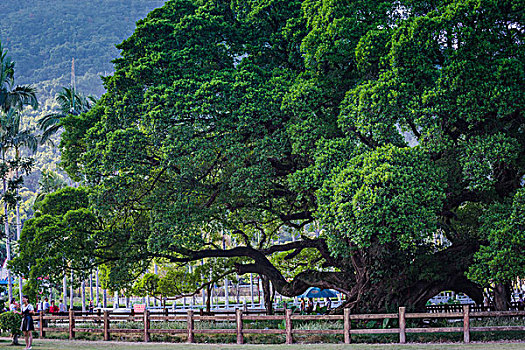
x=27, y=326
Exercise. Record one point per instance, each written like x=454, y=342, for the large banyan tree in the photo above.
x=386, y=137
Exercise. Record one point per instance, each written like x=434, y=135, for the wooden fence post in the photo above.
x=466, y=323
x=71, y=324
x=347, y=326
x=238, y=319
x=146, y=326
x=41, y=332
x=402, y=326
x=288, y=321
x=106, y=325
x=190, y=326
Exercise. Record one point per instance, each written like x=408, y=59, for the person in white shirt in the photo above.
x=45, y=306
x=27, y=326
x=13, y=307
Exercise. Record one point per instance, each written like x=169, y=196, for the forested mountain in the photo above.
x=43, y=36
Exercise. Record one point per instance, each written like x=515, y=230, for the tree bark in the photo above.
x=208, y=298
x=502, y=293
x=399, y=283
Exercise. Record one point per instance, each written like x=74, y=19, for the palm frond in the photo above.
x=49, y=132
x=70, y=103
x=10, y=96
x=49, y=120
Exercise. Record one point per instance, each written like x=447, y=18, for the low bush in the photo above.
x=10, y=322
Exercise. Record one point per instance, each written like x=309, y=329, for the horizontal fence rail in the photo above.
x=102, y=322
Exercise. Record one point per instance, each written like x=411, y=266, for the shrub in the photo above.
x=10, y=322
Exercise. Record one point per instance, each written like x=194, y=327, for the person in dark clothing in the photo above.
x=328, y=304
x=27, y=326
x=310, y=306
x=521, y=303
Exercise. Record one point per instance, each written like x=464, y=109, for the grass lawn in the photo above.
x=84, y=345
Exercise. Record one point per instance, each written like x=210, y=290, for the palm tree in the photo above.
x=4, y=129
x=18, y=139
x=12, y=99
x=12, y=96
x=50, y=181
x=70, y=103
x=12, y=138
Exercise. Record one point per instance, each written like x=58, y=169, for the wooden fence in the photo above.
x=459, y=307
x=105, y=319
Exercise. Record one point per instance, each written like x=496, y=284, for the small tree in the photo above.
x=147, y=285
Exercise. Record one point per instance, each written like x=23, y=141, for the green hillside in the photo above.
x=42, y=36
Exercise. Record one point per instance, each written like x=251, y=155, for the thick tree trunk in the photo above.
x=366, y=290
x=502, y=293
x=377, y=296
x=379, y=278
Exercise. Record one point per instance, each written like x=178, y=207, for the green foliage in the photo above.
x=179, y=281
x=33, y=288
x=222, y=138
x=384, y=124
x=11, y=321
x=60, y=238
x=70, y=102
x=50, y=181
x=388, y=195
x=147, y=285
x=306, y=260
x=43, y=43
x=500, y=258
